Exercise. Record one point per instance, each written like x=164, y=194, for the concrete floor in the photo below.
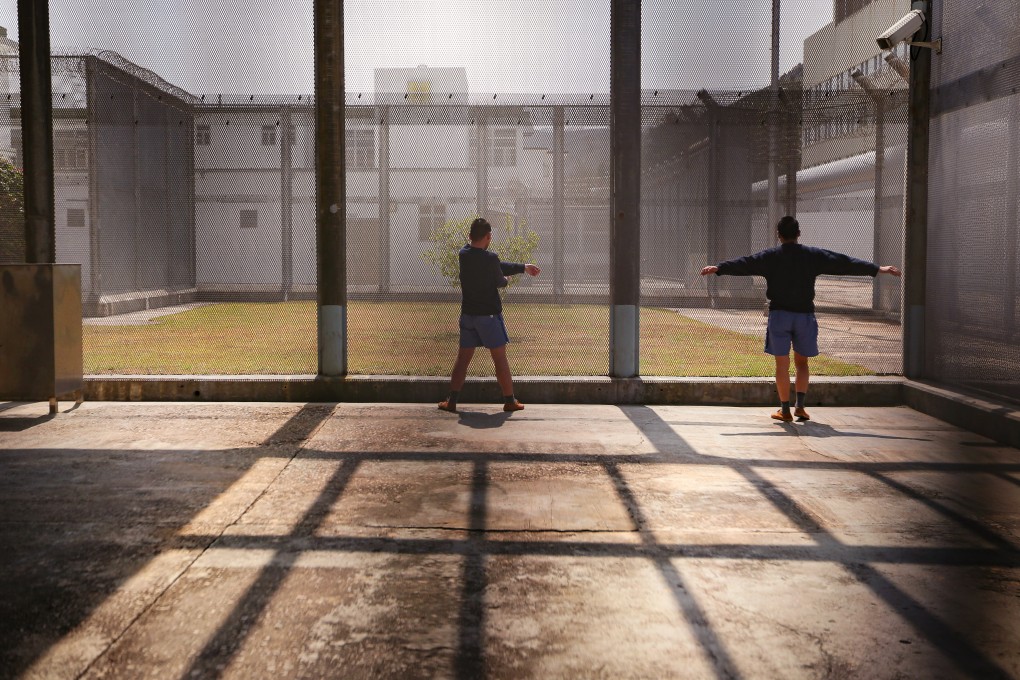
x=374, y=540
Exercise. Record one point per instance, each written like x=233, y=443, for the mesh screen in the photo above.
x=438, y=166
x=171, y=197
x=972, y=335
x=831, y=139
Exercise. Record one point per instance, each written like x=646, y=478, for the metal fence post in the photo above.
x=773, y=113
x=915, y=232
x=37, y=130
x=481, y=162
x=1012, y=214
x=95, y=242
x=384, y=199
x=558, y=207
x=286, y=205
x=625, y=218
x=330, y=180
x=876, y=290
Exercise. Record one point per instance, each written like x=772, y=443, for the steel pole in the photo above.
x=558, y=205
x=37, y=130
x=331, y=199
x=773, y=171
x=915, y=233
x=625, y=224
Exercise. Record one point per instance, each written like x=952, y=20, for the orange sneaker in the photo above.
x=513, y=406
x=445, y=406
x=785, y=417
x=801, y=413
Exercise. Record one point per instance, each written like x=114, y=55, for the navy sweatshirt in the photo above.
x=790, y=270
x=481, y=275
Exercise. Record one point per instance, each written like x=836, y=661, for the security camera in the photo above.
x=902, y=30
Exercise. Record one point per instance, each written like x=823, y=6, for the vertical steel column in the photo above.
x=773, y=113
x=875, y=95
x=625, y=219
x=558, y=207
x=384, y=199
x=791, y=143
x=193, y=206
x=481, y=163
x=915, y=232
x=137, y=184
x=37, y=130
x=95, y=242
x=330, y=185
x=876, y=289
x=712, y=193
x=1012, y=215
x=286, y=205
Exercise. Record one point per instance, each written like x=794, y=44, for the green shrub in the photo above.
x=512, y=242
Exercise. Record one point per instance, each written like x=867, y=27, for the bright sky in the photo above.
x=530, y=46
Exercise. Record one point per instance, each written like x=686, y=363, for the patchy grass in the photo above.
x=420, y=339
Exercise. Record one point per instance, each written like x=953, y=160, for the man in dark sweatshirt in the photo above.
x=481, y=313
x=790, y=270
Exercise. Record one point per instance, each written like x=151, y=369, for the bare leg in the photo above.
x=783, y=378
x=803, y=372
x=460, y=368
x=503, y=377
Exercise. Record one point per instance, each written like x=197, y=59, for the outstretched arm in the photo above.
x=890, y=269
x=751, y=265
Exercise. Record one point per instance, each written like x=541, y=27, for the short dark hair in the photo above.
x=788, y=227
x=479, y=228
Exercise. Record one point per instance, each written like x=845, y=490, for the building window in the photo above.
x=203, y=135
x=360, y=151
x=419, y=92
x=268, y=135
x=291, y=135
x=502, y=147
x=249, y=219
x=76, y=218
x=431, y=216
x=70, y=150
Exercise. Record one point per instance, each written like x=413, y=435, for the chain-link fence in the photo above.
x=194, y=215
x=972, y=336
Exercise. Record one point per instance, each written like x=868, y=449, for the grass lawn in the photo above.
x=420, y=339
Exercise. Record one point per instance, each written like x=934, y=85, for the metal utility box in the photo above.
x=40, y=332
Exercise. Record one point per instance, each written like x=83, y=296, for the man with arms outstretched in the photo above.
x=790, y=270
x=481, y=313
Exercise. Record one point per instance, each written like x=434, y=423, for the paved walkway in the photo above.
x=306, y=541
x=867, y=341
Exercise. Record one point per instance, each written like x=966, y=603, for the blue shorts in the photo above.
x=796, y=328
x=487, y=331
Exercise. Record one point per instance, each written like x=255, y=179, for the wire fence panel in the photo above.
x=720, y=167
x=972, y=334
x=419, y=172
x=168, y=197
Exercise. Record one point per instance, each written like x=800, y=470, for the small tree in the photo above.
x=12, y=213
x=513, y=242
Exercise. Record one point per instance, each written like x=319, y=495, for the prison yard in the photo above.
x=389, y=338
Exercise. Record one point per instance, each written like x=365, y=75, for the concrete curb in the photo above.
x=996, y=420
x=853, y=391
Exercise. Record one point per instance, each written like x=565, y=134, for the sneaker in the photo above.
x=445, y=406
x=801, y=413
x=513, y=406
x=785, y=417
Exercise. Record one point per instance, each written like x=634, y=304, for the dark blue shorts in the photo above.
x=791, y=328
x=479, y=331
